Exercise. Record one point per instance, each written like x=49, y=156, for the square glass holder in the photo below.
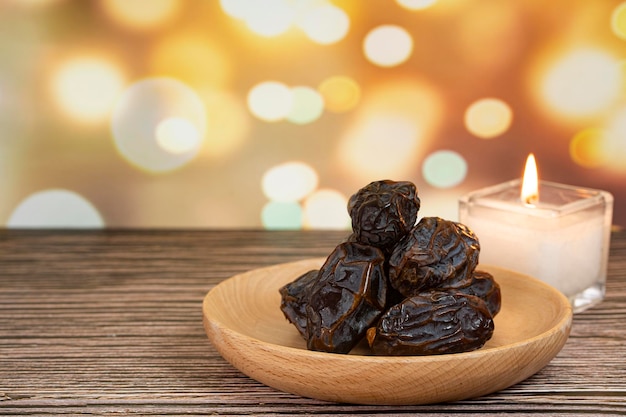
x=562, y=239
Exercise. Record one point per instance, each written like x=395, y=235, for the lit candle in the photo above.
x=557, y=233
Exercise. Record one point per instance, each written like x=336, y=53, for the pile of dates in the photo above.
x=407, y=288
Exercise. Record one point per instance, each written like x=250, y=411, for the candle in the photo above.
x=557, y=233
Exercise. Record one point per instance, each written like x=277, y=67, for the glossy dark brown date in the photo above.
x=431, y=324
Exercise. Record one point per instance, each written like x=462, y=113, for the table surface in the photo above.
x=110, y=322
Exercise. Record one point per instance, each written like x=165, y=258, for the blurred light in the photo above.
x=489, y=37
x=281, y=215
x=340, y=93
x=192, y=58
x=270, y=101
x=141, y=109
x=289, y=181
x=228, y=122
x=267, y=18
x=141, y=14
x=618, y=21
x=488, y=118
x=388, y=45
x=177, y=135
x=614, y=143
x=444, y=169
x=306, y=107
x=393, y=125
x=325, y=24
x=326, y=209
x=582, y=83
x=86, y=88
x=585, y=148
x=55, y=209
x=416, y=4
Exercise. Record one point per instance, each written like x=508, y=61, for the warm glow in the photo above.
x=192, y=58
x=488, y=118
x=582, y=83
x=153, y=108
x=585, y=148
x=177, y=135
x=270, y=101
x=289, y=181
x=416, y=4
x=141, y=14
x=325, y=24
x=530, y=182
x=326, y=209
x=86, y=88
x=307, y=105
x=266, y=18
x=618, y=21
x=340, y=93
x=388, y=46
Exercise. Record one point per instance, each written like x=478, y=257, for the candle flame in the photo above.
x=530, y=182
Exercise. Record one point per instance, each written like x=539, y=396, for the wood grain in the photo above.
x=110, y=322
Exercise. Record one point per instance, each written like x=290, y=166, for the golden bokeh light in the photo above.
x=139, y=116
x=177, y=135
x=585, y=148
x=55, y=208
x=340, y=93
x=193, y=58
x=307, y=105
x=488, y=118
x=326, y=209
x=270, y=101
x=289, y=181
x=614, y=142
x=268, y=18
x=228, y=122
x=581, y=83
x=388, y=46
x=618, y=21
x=416, y=4
x=324, y=24
x=85, y=88
x=391, y=128
x=141, y=14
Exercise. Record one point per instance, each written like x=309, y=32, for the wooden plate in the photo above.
x=243, y=320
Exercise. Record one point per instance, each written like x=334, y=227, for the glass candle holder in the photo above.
x=562, y=239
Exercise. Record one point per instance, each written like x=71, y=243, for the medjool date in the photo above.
x=383, y=211
x=482, y=285
x=294, y=298
x=431, y=324
x=435, y=251
x=347, y=298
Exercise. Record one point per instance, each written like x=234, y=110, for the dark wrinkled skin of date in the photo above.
x=434, y=254
x=482, y=285
x=347, y=298
x=432, y=323
x=383, y=212
x=294, y=298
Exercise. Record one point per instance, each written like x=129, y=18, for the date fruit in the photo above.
x=432, y=324
x=435, y=253
x=294, y=298
x=347, y=298
x=482, y=285
x=383, y=211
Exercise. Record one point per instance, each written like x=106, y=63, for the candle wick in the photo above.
x=531, y=201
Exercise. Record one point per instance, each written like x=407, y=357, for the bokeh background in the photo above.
x=271, y=113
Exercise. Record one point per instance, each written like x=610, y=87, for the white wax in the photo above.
x=567, y=256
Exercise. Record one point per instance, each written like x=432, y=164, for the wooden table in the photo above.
x=110, y=323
